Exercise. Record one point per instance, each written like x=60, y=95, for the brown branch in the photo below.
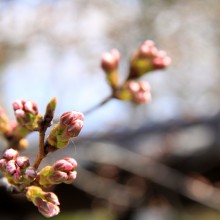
x=41, y=151
x=156, y=172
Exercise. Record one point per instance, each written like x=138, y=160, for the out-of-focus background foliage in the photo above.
x=151, y=162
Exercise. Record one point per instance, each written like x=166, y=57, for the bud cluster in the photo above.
x=62, y=171
x=70, y=124
x=25, y=177
x=26, y=113
x=46, y=202
x=16, y=168
x=134, y=91
x=146, y=58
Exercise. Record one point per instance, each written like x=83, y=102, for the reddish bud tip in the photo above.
x=71, y=177
x=46, y=208
x=110, y=60
x=18, y=104
x=10, y=168
x=31, y=107
x=10, y=154
x=23, y=162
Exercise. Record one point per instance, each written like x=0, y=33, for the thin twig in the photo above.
x=104, y=101
x=41, y=152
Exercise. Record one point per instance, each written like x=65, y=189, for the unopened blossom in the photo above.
x=62, y=171
x=70, y=125
x=109, y=63
x=23, y=162
x=110, y=60
x=46, y=202
x=147, y=58
x=10, y=154
x=26, y=113
x=137, y=92
x=16, y=168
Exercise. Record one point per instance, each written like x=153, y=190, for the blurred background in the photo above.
x=159, y=161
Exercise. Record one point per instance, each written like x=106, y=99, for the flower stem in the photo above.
x=104, y=101
x=41, y=151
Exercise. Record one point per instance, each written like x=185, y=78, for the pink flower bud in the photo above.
x=75, y=129
x=57, y=177
x=147, y=49
x=110, y=60
x=18, y=104
x=30, y=174
x=72, y=122
x=26, y=113
x=46, y=208
x=10, y=168
x=143, y=95
x=21, y=116
x=68, y=118
x=72, y=161
x=147, y=58
x=31, y=107
x=46, y=202
x=23, y=162
x=138, y=92
x=51, y=197
x=71, y=177
x=10, y=154
x=17, y=176
x=161, y=60
x=63, y=165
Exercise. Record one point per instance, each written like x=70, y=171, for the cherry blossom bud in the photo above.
x=72, y=122
x=18, y=104
x=69, y=126
x=10, y=168
x=51, y=197
x=46, y=202
x=57, y=177
x=137, y=92
x=162, y=60
x=47, y=209
x=26, y=113
x=110, y=60
x=61, y=171
x=21, y=116
x=68, y=118
x=30, y=174
x=65, y=165
x=10, y=154
x=109, y=63
x=17, y=176
x=31, y=107
x=74, y=129
x=71, y=177
x=23, y=162
x=147, y=58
